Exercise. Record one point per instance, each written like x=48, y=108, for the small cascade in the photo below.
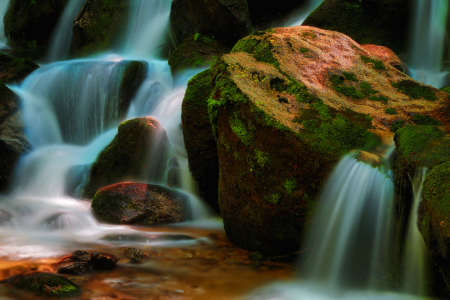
x=309, y=7
x=415, y=252
x=71, y=102
x=3, y=8
x=429, y=36
x=149, y=19
x=351, y=234
x=62, y=37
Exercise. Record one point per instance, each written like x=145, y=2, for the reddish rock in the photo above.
x=139, y=204
x=386, y=55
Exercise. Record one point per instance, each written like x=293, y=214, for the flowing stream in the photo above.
x=310, y=6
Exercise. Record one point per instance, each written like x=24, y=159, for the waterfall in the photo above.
x=3, y=8
x=429, y=34
x=415, y=253
x=62, y=36
x=309, y=7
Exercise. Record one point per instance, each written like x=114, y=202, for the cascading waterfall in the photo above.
x=3, y=7
x=415, y=267
x=62, y=37
x=429, y=34
x=304, y=13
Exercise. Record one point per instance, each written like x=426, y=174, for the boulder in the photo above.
x=139, y=204
x=285, y=106
x=224, y=20
x=46, y=284
x=103, y=261
x=99, y=25
x=201, y=146
x=139, y=152
x=368, y=21
x=13, y=143
x=29, y=24
x=77, y=268
x=196, y=52
x=14, y=70
x=134, y=254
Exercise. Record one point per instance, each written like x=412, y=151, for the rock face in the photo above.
x=13, y=142
x=139, y=204
x=264, y=14
x=139, y=152
x=99, y=25
x=368, y=21
x=13, y=70
x=29, y=24
x=46, y=284
x=201, y=146
x=284, y=106
x=196, y=52
x=224, y=20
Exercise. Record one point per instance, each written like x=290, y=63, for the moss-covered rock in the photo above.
x=29, y=24
x=224, y=20
x=434, y=214
x=201, y=146
x=46, y=284
x=368, y=21
x=99, y=25
x=139, y=204
x=284, y=107
x=139, y=152
x=196, y=52
x=13, y=70
x=13, y=143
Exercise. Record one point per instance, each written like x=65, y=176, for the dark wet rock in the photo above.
x=13, y=143
x=29, y=24
x=103, y=261
x=196, y=52
x=134, y=254
x=46, y=284
x=77, y=268
x=13, y=70
x=274, y=156
x=265, y=15
x=224, y=20
x=201, y=146
x=133, y=76
x=80, y=255
x=78, y=280
x=137, y=153
x=368, y=21
x=174, y=174
x=139, y=204
x=99, y=25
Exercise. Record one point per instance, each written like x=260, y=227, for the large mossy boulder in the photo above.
x=224, y=20
x=368, y=21
x=13, y=143
x=196, y=52
x=139, y=152
x=46, y=284
x=284, y=107
x=29, y=24
x=201, y=146
x=139, y=204
x=100, y=25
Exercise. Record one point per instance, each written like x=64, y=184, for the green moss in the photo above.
x=413, y=139
x=272, y=198
x=445, y=89
x=323, y=110
x=304, y=50
x=425, y=120
x=241, y=130
x=336, y=79
x=379, y=98
x=290, y=185
x=376, y=64
x=259, y=48
x=396, y=125
x=367, y=89
x=262, y=158
x=309, y=34
x=391, y=111
x=350, y=76
x=350, y=91
x=414, y=90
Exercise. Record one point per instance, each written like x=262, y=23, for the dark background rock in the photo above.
x=137, y=153
x=14, y=70
x=201, y=146
x=266, y=14
x=224, y=20
x=103, y=261
x=139, y=204
x=379, y=22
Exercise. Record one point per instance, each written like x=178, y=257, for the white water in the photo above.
x=62, y=37
x=415, y=265
x=304, y=13
x=429, y=34
x=3, y=7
